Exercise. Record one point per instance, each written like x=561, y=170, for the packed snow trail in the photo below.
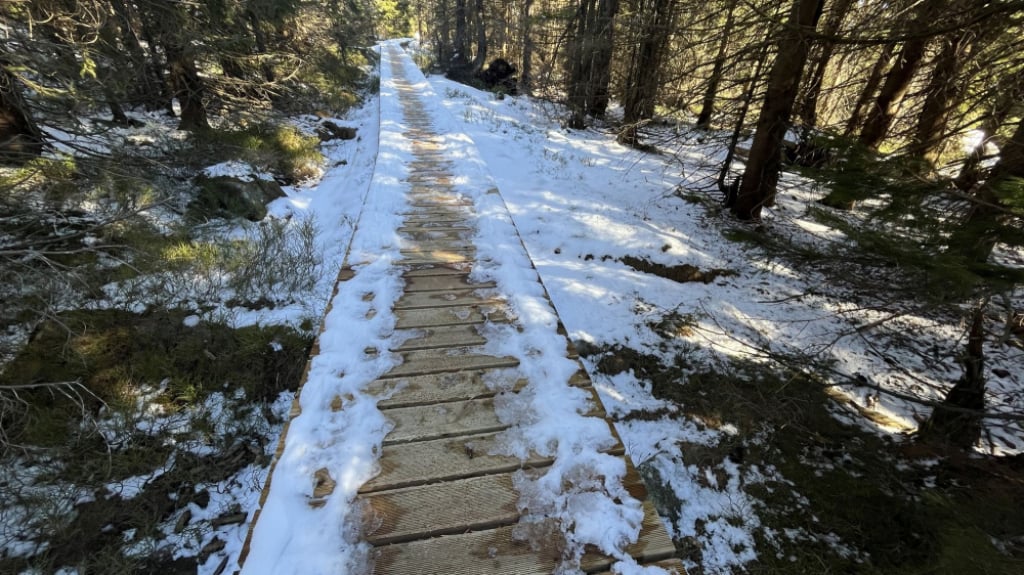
x=445, y=425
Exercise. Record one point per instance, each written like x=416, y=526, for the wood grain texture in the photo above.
x=457, y=359
x=443, y=387
x=423, y=422
x=445, y=336
x=452, y=315
x=431, y=510
x=431, y=299
x=443, y=283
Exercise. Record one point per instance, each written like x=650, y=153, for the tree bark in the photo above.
x=188, y=87
x=526, y=37
x=868, y=92
x=480, y=60
x=590, y=61
x=642, y=81
x=461, y=46
x=897, y=82
x=808, y=109
x=942, y=92
x=758, y=185
x=707, y=109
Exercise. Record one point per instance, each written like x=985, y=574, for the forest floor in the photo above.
x=747, y=368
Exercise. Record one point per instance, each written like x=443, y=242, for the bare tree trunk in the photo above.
x=526, y=65
x=898, y=80
x=643, y=79
x=188, y=87
x=461, y=57
x=868, y=92
x=481, y=38
x=757, y=188
x=707, y=109
x=590, y=60
x=808, y=109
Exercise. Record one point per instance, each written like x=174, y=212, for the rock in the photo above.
x=328, y=130
x=233, y=197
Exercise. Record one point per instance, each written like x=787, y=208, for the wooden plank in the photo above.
x=425, y=422
x=448, y=230
x=445, y=336
x=443, y=387
x=431, y=510
x=446, y=459
x=460, y=297
x=499, y=551
x=459, y=359
x=443, y=283
x=653, y=544
x=437, y=217
x=436, y=269
x=451, y=315
x=442, y=245
x=672, y=566
x=417, y=258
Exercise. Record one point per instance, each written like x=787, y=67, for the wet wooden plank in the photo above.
x=446, y=459
x=436, y=269
x=459, y=359
x=418, y=258
x=441, y=337
x=451, y=315
x=444, y=387
x=438, y=509
x=459, y=297
x=443, y=283
x=441, y=245
x=499, y=551
x=426, y=422
x=672, y=566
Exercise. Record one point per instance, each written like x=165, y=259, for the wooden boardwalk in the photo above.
x=442, y=504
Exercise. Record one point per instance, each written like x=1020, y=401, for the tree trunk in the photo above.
x=188, y=87
x=1006, y=94
x=942, y=93
x=898, y=80
x=480, y=60
x=590, y=61
x=526, y=64
x=461, y=46
x=866, y=94
x=958, y=420
x=642, y=81
x=761, y=176
x=808, y=109
x=707, y=109
x=20, y=138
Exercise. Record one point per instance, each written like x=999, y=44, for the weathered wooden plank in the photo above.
x=460, y=297
x=447, y=229
x=499, y=551
x=672, y=566
x=417, y=258
x=445, y=336
x=425, y=422
x=436, y=269
x=442, y=245
x=443, y=283
x=443, y=387
x=446, y=459
x=451, y=315
x=437, y=217
x=459, y=359
x=438, y=509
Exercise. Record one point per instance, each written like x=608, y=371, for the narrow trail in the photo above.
x=444, y=501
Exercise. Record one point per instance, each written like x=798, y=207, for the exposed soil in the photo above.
x=682, y=273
